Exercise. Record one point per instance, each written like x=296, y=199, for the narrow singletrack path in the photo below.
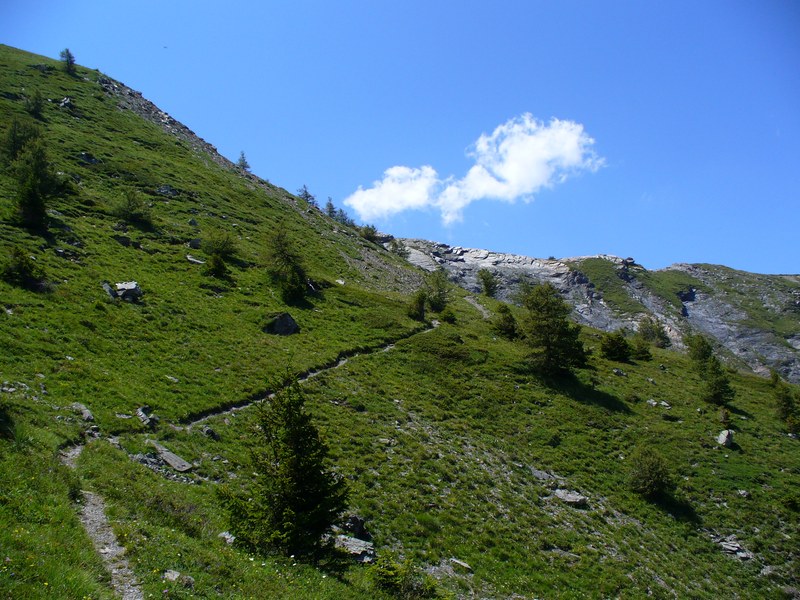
x=95, y=522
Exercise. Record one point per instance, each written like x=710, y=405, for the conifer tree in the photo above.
x=286, y=267
x=68, y=60
x=294, y=498
x=553, y=340
x=488, y=282
x=242, y=162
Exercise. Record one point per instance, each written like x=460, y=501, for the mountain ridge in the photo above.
x=610, y=293
x=472, y=474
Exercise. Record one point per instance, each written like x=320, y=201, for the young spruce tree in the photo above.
x=293, y=499
x=553, y=340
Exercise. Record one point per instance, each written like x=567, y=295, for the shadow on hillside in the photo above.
x=6, y=423
x=738, y=411
x=573, y=387
x=679, y=509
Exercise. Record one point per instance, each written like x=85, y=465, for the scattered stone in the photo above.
x=194, y=261
x=186, y=581
x=460, y=563
x=146, y=416
x=192, y=222
x=572, y=498
x=662, y=367
x=167, y=190
x=172, y=379
x=743, y=493
x=210, y=433
x=128, y=291
x=123, y=416
x=67, y=103
x=543, y=475
x=652, y=402
x=665, y=404
x=227, y=537
x=362, y=550
x=195, y=244
x=651, y=380
x=619, y=373
x=356, y=527
x=340, y=281
x=172, y=459
x=281, y=324
x=86, y=414
x=731, y=545
x=725, y=438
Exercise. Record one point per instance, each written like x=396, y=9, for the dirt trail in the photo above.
x=94, y=520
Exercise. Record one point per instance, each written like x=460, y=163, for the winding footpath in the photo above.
x=93, y=511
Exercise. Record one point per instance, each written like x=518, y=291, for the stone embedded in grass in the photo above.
x=280, y=323
x=172, y=459
x=725, y=438
x=86, y=414
x=362, y=550
x=572, y=498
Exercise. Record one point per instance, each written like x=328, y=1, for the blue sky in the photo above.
x=666, y=131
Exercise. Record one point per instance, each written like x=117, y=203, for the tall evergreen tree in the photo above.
x=553, y=340
x=488, y=282
x=287, y=267
x=294, y=499
x=68, y=60
x=36, y=182
x=242, y=162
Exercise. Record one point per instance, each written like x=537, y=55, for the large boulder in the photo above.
x=725, y=438
x=280, y=324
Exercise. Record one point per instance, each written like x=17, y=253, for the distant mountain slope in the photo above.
x=755, y=318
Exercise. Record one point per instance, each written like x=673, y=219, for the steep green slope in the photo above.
x=452, y=449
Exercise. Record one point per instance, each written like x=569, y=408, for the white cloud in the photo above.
x=402, y=188
x=518, y=159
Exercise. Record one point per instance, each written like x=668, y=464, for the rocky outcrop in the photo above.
x=754, y=319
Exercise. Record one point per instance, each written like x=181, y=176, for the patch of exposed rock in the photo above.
x=741, y=312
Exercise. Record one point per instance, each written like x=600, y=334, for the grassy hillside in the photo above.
x=451, y=447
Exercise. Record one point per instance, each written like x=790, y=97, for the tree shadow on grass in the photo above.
x=570, y=385
x=6, y=423
x=678, y=508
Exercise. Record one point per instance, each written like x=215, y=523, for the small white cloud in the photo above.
x=402, y=188
x=518, y=159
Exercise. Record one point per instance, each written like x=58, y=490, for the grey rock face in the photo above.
x=736, y=310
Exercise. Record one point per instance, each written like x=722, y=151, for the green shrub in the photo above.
x=652, y=331
x=132, y=209
x=437, y=288
x=216, y=267
x=488, y=282
x=416, y=308
x=68, y=60
x=504, y=322
x=220, y=243
x=19, y=133
x=21, y=270
x=399, y=578
x=447, y=315
x=640, y=349
x=716, y=383
x=286, y=270
x=614, y=346
x=649, y=474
